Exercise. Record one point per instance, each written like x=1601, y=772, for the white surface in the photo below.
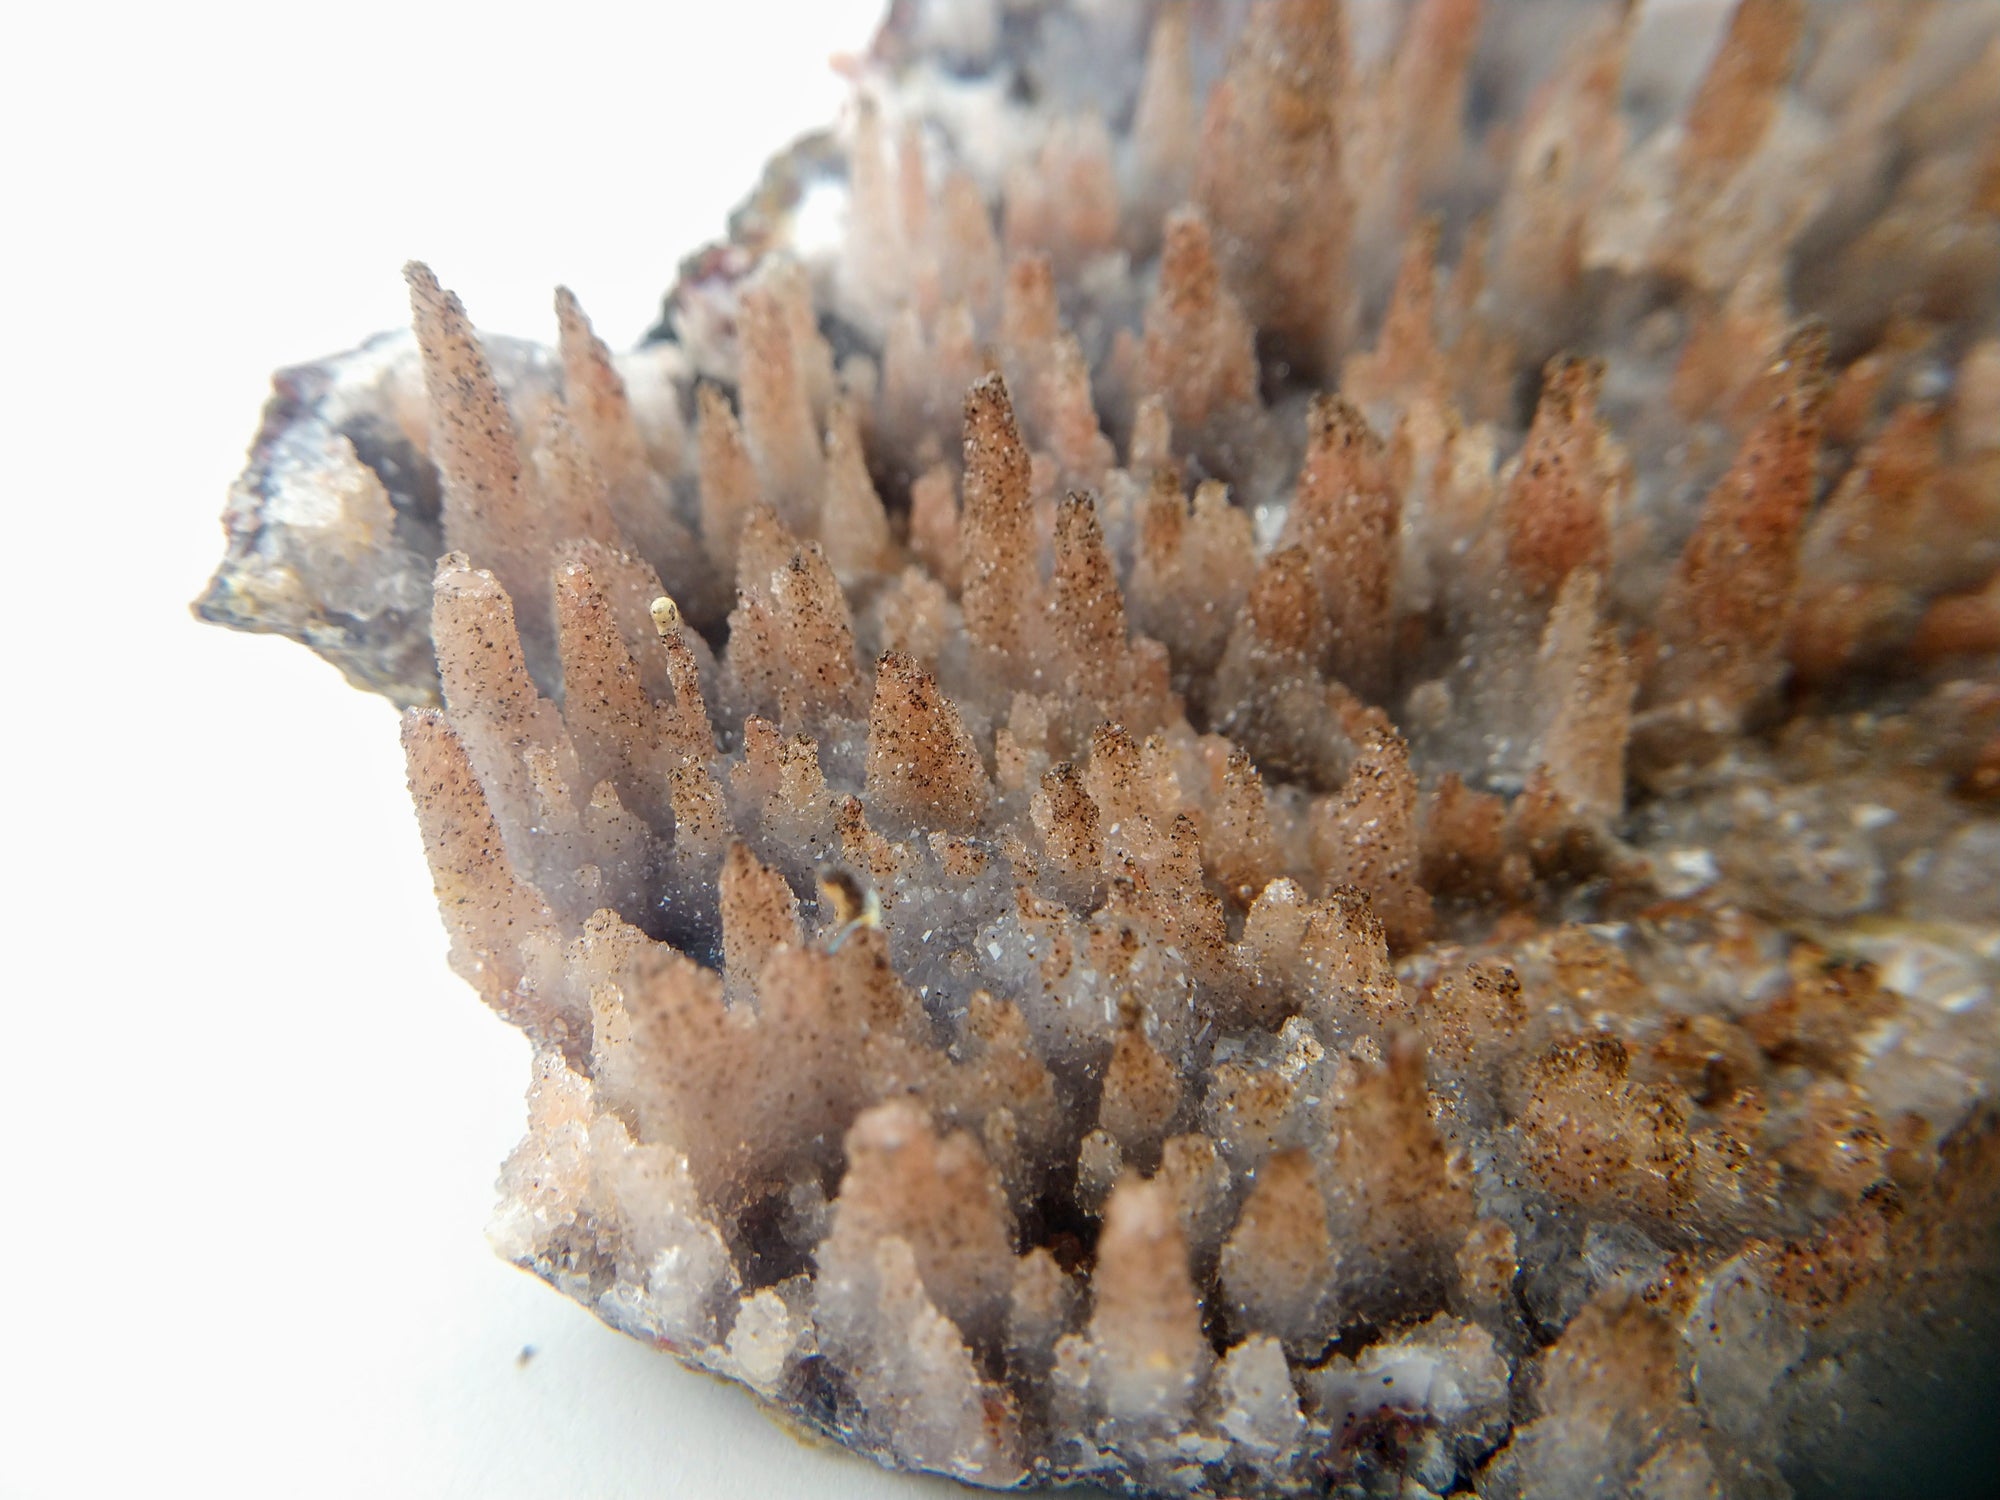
x=251, y=1122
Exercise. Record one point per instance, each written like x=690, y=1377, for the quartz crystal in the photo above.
x=1260, y=756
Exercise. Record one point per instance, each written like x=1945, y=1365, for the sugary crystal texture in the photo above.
x=1280, y=780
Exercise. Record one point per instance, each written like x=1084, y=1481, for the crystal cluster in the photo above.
x=1260, y=758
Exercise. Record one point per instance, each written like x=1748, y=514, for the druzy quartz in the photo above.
x=1258, y=757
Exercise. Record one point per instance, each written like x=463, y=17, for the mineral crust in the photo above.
x=1260, y=758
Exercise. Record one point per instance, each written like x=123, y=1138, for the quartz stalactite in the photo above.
x=1276, y=777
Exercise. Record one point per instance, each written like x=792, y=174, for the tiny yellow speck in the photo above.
x=851, y=904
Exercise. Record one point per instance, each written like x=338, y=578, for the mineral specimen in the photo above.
x=1260, y=756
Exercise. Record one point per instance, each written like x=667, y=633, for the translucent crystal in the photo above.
x=1261, y=760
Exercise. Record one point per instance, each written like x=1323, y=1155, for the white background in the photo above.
x=250, y=1121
